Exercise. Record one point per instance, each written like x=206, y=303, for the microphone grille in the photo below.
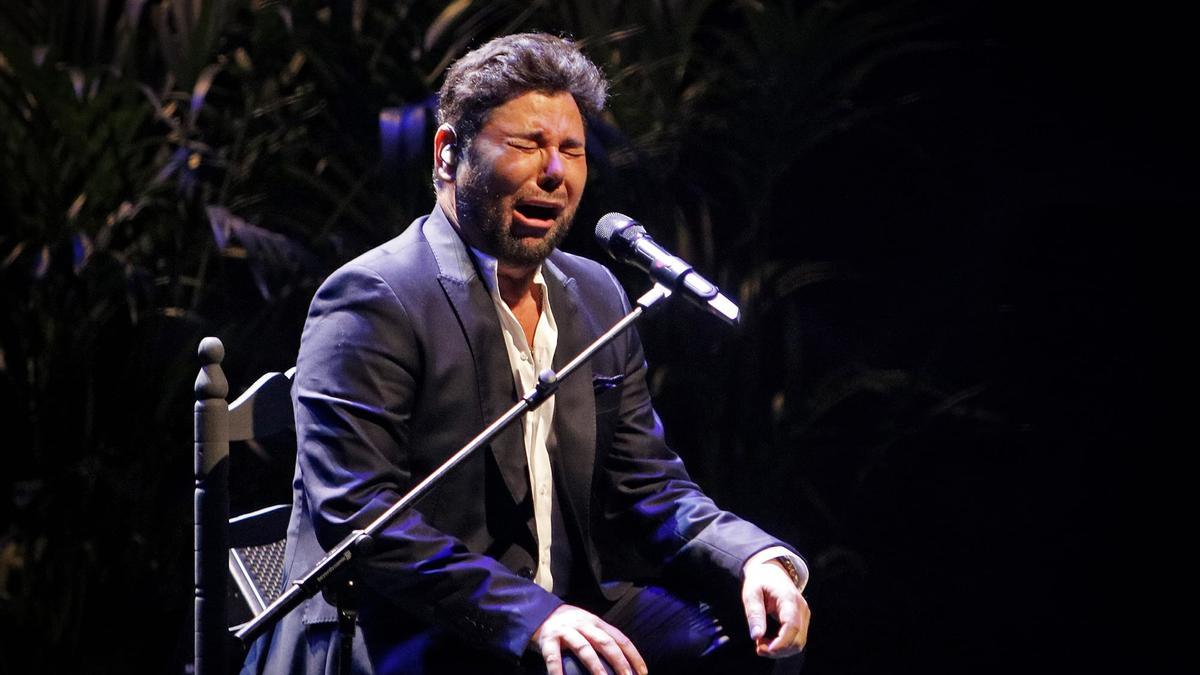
x=609, y=225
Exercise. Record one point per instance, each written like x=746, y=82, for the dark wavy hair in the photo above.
x=506, y=67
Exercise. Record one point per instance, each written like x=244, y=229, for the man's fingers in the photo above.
x=597, y=645
x=553, y=657
x=785, y=640
x=631, y=652
x=583, y=649
x=789, y=628
x=614, y=647
x=789, y=611
x=756, y=614
x=793, y=632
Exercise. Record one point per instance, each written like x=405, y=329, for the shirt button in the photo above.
x=542, y=491
x=524, y=356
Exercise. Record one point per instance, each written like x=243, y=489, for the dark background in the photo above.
x=944, y=391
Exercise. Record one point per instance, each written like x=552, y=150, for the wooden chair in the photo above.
x=248, y=548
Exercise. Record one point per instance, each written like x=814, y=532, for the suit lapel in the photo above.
x=573, y=453
x=477, y=316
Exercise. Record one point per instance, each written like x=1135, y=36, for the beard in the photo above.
x=488, y=215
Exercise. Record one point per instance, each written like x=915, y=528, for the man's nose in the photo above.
x=553, y=170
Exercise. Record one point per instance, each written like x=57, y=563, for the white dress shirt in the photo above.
x=527, y=361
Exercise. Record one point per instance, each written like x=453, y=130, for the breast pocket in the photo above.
x=607, y=389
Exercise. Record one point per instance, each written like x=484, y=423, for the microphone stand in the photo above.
x=361, y=541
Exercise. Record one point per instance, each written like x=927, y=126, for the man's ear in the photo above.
x=445, y=153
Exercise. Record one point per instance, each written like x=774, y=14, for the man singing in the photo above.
x=575, y=542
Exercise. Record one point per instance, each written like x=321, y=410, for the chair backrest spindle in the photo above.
x=211, y=510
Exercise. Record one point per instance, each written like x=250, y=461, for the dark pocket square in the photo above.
x=604, y=383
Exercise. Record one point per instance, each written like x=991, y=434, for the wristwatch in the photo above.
x=789, y=567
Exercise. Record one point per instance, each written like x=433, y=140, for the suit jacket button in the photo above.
x=526, y=572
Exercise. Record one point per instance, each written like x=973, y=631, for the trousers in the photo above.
x=675, y=636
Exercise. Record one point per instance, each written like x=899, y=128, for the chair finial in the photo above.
x=211, y=382
x=211, y=351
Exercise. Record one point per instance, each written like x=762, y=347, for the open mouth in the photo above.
x=535, y=215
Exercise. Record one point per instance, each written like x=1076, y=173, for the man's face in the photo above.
x=522, y=179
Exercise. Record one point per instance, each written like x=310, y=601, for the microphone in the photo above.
x=627, y=241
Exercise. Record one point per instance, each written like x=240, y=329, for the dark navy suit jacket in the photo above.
x=401, y=364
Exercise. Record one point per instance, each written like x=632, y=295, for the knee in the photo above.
x=571, y=665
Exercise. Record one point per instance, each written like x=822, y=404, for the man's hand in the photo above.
x=769, y=590
x=584, y=633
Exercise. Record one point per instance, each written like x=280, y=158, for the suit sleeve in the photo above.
x=356, y=375
x=652, y=497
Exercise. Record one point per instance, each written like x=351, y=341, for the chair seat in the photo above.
x=256, y=545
